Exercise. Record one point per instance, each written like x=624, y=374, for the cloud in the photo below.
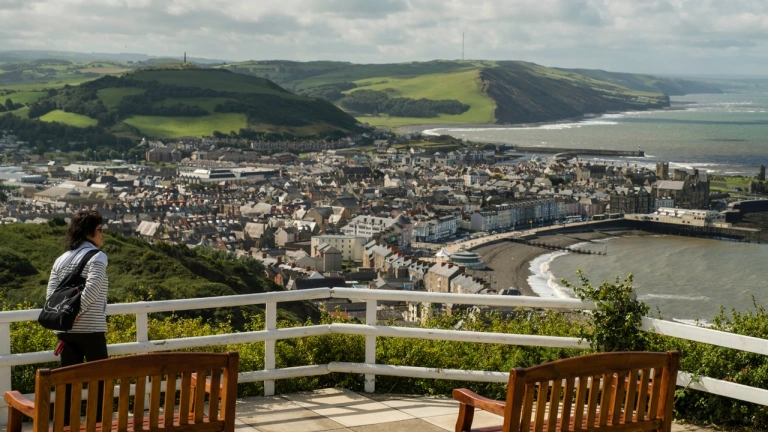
x=661, y=36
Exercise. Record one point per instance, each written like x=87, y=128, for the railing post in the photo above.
x=370, y=345
x=142, y=327
x=269, y=347
x=142, y=335
x=5, y=372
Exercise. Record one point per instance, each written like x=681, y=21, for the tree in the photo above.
x=267, y=240
x=9, y=105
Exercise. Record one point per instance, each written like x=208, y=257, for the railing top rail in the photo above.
x=319, y=293
x=473, y=299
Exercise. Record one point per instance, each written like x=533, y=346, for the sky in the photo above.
x=648, y=36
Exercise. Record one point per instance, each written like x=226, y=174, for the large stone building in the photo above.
x=689, y=189
x=631, y=200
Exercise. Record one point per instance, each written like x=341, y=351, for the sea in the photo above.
x=680, y=278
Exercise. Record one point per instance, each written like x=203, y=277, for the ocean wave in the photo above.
x=548, y=126
x=542, y=281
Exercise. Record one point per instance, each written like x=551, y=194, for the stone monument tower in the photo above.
x=662, y=170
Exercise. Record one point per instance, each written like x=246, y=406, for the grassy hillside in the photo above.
x=492, y=89
x=464, y=86
x=169, y=127
x=212, y=80
x=188, y=101
x=112, y=96
x=71, y=119
x=22, y=97
x=137, y=270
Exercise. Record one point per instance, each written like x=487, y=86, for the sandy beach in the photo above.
x=509, y=263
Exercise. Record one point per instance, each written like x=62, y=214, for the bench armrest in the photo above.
x=18, y=402
x=473, y=399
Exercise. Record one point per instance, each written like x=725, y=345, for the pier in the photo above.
x=578, y=151
x=541, y=244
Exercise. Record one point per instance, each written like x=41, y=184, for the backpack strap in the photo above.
x=88, y=255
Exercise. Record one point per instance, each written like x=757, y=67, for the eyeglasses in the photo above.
x=100, y=229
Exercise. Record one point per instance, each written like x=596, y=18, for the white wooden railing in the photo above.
x=371, y=330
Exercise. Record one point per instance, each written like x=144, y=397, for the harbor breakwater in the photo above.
x=578, y=151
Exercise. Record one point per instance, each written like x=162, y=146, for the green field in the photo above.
x=377, y=72
x=71, y=119
x=21, y=112
x=463, y=86
x=205, y=103
x=172, y=127
x=23, y=97
x=212, y=79
x=59, y=83
x=112, y=96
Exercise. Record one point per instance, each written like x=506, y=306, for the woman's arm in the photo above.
x=53, y=283
x=95, y=283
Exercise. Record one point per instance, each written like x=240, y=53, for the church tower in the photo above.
x=662, y=170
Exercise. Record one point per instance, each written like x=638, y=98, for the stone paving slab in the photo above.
x=341, y=410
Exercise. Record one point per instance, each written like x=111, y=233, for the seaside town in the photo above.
x=390, y=217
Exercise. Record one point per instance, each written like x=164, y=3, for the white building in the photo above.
x=476, y=178
x=231, y=175
x=351, y=247
x=683, y=217
x=368, y=226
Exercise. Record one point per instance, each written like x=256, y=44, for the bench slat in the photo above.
x=123, y=404
x=565, y=419
x=170, y=399
x=92, y=406
x=138, y=400
x=107, y=407
x=198, y=408
x=154, y=401
x=213, y=402
x=185, y=397
x=59, y=407
x=631, y=392
x=642, y=394
x=74, y=409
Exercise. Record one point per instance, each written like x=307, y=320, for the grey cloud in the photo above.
x=725, y=43
x=359, y=8
x=642, y=36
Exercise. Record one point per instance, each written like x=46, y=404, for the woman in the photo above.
x=86, y=341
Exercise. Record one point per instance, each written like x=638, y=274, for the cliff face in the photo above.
x=523, y=95
x=649, y=83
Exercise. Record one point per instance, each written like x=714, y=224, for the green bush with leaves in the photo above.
x=615, y=325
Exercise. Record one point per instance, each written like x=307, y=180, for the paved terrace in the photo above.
x=341, y=410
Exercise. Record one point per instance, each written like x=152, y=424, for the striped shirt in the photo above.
x=93, y=301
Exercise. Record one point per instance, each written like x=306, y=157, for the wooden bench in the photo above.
x=623, y=391
x=189, y=414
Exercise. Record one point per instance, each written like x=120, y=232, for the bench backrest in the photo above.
x=139, y=372
x=621, y=391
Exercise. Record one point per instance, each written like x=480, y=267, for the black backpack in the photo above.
x=62, y=307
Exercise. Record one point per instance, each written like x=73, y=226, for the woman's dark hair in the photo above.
x=84, y=224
